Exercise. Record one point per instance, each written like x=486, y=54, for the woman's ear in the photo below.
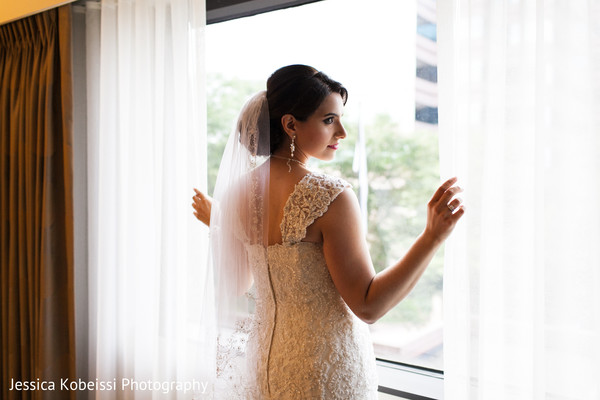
x=288, y=122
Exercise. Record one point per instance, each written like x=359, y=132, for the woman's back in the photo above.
x=305, y=342
x=283, y=182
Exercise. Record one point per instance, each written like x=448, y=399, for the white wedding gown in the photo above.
x=304, y=342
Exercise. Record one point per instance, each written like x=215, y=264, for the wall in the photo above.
x=14, y=9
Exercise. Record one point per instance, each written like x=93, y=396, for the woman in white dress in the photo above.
x=297, y=236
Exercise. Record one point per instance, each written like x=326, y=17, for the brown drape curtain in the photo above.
x=36, y=206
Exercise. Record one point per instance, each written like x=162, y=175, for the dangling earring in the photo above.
x=292, y=148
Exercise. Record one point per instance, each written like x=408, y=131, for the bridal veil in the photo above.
x=238, y=220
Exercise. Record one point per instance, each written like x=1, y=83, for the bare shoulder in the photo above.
x=345, y=202
x=343, y=215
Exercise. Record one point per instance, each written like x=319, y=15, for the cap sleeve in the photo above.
x=309, y=200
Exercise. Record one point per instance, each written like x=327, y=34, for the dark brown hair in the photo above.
x=297, y=90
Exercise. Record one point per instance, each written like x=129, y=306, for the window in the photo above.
x=426, y=28
x=427, y=72
x=387, y=59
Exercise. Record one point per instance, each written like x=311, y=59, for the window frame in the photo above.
x=396, y=379
x=411, y=382
x=226, y=10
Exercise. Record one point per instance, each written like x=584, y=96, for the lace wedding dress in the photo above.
x=304, y=342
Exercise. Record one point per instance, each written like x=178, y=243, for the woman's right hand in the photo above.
x=444, y=211
x=202, y=206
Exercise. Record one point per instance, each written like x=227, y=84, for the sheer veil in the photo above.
x=237, y=231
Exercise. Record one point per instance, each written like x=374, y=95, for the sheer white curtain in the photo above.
x=146, y=127
x=519, y=86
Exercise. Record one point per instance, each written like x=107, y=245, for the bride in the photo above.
x=288, y=245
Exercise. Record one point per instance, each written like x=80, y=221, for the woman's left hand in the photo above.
x=202, y=206
x=444, y=211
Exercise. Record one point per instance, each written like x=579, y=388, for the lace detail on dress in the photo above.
x=239, y=349
x=303, y=342
x=308, y=344
x=320, y=349
x=310, y=200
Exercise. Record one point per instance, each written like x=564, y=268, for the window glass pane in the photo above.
x=426, y=28
x=377, y=50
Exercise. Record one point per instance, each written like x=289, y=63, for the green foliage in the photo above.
x=403, y=172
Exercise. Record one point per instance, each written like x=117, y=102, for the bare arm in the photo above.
x=370, y=295
x=202, y=207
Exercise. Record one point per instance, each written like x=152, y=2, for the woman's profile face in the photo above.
x=320, y=134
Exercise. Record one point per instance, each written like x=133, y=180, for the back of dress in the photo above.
x=305, y=342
